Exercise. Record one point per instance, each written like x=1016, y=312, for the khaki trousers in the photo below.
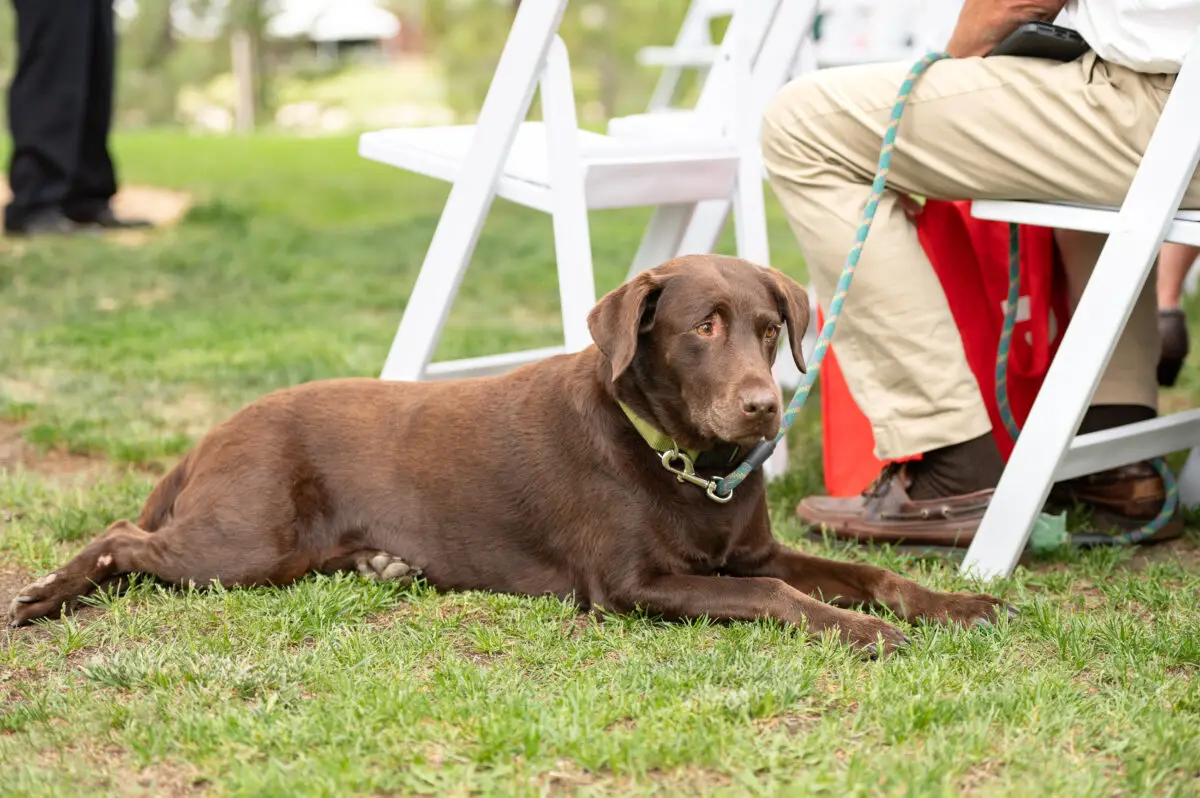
x=976, y=128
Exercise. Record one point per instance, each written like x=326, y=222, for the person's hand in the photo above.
x=982, y=24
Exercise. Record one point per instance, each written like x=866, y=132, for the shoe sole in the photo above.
x=910, y=540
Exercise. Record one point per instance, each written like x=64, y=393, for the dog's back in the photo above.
x=477, y=483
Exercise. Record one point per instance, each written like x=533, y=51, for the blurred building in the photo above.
x=335, y=27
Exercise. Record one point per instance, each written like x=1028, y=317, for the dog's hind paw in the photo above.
x=44, y=598
x=386, y=567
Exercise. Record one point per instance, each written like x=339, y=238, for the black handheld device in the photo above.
x=1043, y=40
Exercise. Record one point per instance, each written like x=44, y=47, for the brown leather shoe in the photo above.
x=1118, y=500
x=885, y=513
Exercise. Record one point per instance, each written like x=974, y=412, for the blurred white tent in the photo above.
x=321, y=21
x=333, y=21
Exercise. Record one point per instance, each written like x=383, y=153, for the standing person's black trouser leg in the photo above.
x=94, y=181
x=60, y=111
x=47, y=104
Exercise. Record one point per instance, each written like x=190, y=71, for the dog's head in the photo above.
x=695, y=339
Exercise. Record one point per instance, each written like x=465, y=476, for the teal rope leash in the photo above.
x=759, y=454
x=724, y=487
x=1167, y=512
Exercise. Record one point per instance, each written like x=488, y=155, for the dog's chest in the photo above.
x=707, y=542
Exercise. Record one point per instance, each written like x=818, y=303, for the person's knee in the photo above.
x=786, y=124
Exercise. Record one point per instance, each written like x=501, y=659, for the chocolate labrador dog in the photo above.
x=547, y=480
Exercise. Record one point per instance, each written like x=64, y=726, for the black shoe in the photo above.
x=43, y=223
x=1172, y=327
x=108, y=220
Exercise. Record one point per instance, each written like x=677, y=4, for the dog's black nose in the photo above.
x=759, y=404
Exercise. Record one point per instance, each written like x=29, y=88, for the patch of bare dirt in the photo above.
x=16, y=452
x=162, y=207
x=793, y=723
x=568, y=777
x=976, y=776
x=11, y=582
x=194, y=413
x=111, y=767
x=1185, y=550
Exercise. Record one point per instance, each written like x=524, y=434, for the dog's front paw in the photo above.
x=968, y=609
x=44, y=598
x=871, y=636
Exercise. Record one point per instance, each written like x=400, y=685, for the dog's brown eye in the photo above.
x=706, y=329
x=772, y=332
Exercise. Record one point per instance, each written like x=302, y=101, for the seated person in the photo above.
x=974, y=128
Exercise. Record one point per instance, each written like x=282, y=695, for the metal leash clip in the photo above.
x=687, y=473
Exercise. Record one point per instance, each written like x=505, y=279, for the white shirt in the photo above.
x=1144, y=35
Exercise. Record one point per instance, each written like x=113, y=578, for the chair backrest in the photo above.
x=695, y=28
x=761, y=35
x=789, y=36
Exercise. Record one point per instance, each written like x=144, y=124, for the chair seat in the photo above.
x=619, y=172
x=666, y=122
x=695, y=56
x=1089, y=218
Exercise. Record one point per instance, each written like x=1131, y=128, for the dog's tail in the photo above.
x=161, y=503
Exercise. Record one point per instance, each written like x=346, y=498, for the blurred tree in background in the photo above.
x=8, y=52
x=461, y=39
x=602, y=37
x=156, y=61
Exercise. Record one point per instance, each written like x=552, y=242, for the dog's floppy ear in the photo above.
x=621, y=315
x=793, y=304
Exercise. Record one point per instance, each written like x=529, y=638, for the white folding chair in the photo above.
x=866, y=31
x=854, y=32
x=555, y=167
x=777, y=31
x=693, y=49
x=1048, y=449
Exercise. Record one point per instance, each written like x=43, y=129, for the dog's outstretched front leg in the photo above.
x=848, y=584
x=722, y=598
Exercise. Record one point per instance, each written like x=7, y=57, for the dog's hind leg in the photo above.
x=104, y=560
x=177, y=554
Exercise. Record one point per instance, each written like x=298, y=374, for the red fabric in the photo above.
x=970, y=257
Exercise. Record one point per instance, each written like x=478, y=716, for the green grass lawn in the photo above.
x=294, y=265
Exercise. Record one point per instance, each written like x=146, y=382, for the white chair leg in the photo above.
x=750, y=212
x=786, y=373
x=750, y=229
x=1070, y=382
x=1188, y=481
x=457, y=232
x=572, y=237
x=704, y=229
x=1125, y=262
x=812, y=332
x=663, y=236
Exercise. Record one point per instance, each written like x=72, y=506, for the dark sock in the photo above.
x=976, y=464
x=1100, y=417
x=957, y=469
